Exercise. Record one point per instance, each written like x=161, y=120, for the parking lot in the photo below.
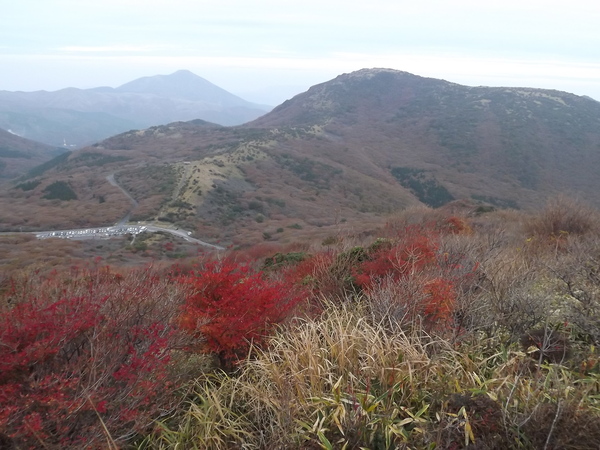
x=99, y=232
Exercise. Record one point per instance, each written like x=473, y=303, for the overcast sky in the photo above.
x=267, y=50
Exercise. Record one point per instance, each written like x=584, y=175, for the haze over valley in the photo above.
x=72, y=118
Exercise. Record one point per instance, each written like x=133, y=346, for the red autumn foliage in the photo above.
x=71, y=366
x=36, y=340
x=232, y=306
x=414, y=253
x=313, y=273
x=453, y=225
x=440, y=300
x=413, y=257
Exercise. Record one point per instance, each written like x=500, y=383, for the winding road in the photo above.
x=121, y=228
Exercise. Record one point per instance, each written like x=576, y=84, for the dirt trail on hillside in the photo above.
x=111, y=179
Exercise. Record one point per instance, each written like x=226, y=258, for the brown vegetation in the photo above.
x=459, y=331
x=353, y=150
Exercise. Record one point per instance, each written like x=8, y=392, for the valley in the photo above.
x=73, y=118
x=340, y=157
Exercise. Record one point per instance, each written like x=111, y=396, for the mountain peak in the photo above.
x=183, y=72
x=182, y=75
x=348, y=92
x=370, y=73
x=183, y=84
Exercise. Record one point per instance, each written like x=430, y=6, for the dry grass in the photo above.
x=364, y=373
x=563, y=216
x=317, y=371
x=344, y=381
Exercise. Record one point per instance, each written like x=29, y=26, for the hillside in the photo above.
x=438, y=331
x=341, y=156
x=19, y=155
x=81, y=117
x=511, y=145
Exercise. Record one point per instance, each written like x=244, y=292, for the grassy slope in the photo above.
x=364, y=371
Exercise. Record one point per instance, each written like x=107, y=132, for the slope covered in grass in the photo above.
x=449, y=328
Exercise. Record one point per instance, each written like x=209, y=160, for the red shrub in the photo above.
x=36, y=340
x=453, y=225
x=232, y=306
x=66, y=361
x=440, y=301
x=313, y=273
x=414, y=265
x=414, y=253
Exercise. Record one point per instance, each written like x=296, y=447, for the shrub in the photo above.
x=411, y=279
x=315, y=274
x=563, y=424
x=232, y=307
x=28, y=185
x=66, y=365
x=423, y=185
x=279, y=260
x=85, y=358
x=546, y=344
x=562, y=216
x=414, y=253
x=256, y=206
x=59, y=190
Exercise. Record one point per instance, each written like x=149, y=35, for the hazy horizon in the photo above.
x=266, y=50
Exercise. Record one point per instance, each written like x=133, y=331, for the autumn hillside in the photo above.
x=19, y=155
x=349, y=151
x=438, y=330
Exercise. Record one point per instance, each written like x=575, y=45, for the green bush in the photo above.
x=59, y=190
x=28, y=185
x=423, y=185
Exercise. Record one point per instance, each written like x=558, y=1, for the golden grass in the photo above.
x=343, y=380
x=361, y=375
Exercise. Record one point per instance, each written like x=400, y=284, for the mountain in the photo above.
x=183, y=85
x=345, y=154
x=510, y=145
x=19, y=155
x=84, y=116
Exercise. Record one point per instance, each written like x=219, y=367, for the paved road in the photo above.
x=183, y=234
x=120, y=230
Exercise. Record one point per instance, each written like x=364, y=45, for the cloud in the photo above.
x=109, y=49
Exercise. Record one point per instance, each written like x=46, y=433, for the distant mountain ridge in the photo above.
x=19, y=155
x=184, y=85
x=84, y=116
x=351, y=150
